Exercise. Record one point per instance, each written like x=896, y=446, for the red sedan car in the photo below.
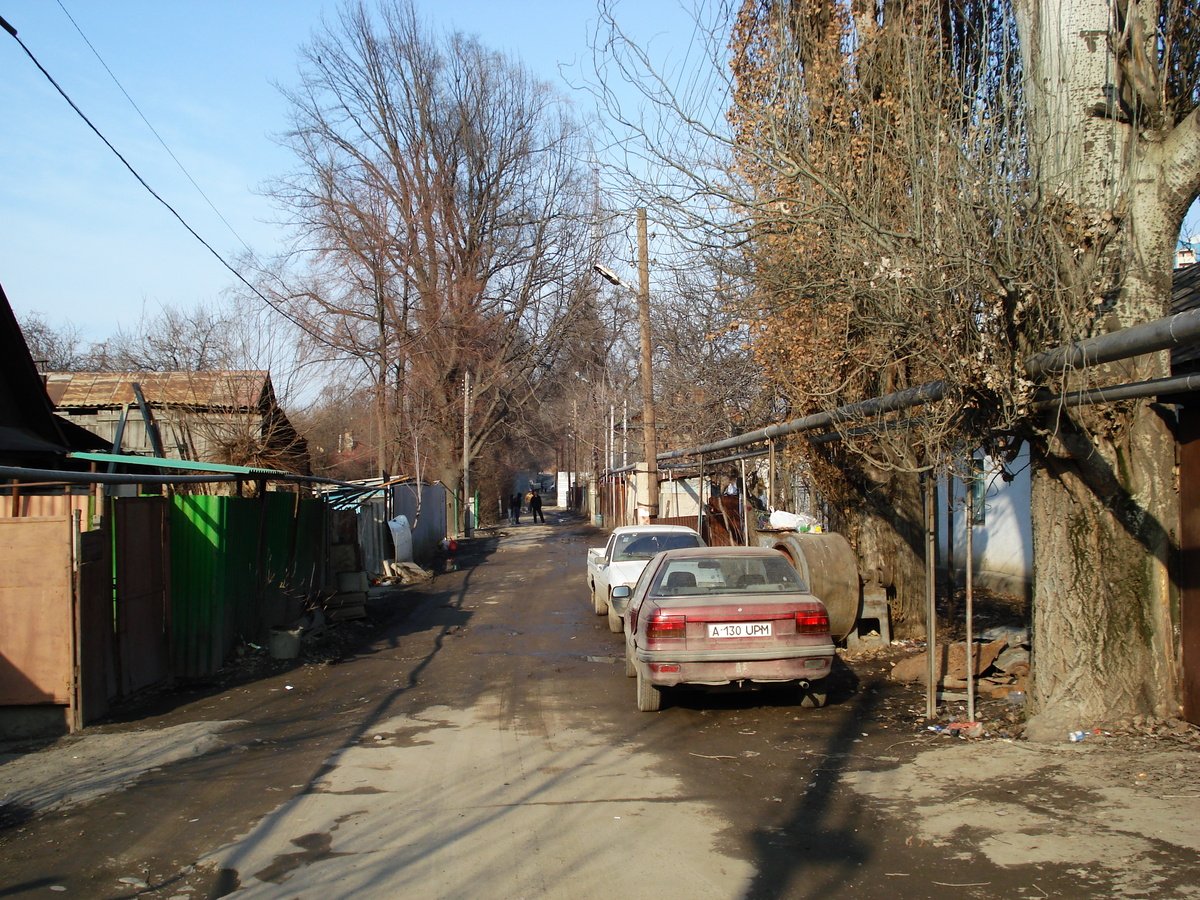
x=736, y=616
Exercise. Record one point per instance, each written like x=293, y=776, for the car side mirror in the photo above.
x=621, y=592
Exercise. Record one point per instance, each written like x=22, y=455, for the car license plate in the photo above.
x=739, y=629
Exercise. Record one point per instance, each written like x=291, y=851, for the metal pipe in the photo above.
x=110, y=477
x=1133, y=391
x=1161, y=334
x=914, y=396
x=749, y=454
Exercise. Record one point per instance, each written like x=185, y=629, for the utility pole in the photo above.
x=649, y=437
x=468, y=510
x=649, y=508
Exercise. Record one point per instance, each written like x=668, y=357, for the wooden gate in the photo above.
x=141, y=576
x=37, y=642
x=55, y=603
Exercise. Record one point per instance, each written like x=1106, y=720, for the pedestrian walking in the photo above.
x=535, y=506
x=514, y=509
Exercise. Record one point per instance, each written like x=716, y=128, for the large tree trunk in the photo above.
x=1104, y=513
x=1104, y=493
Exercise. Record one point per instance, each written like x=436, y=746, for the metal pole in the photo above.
x=970, y=594
x=468, y=505
x=745, y=507
x=649, y=438
x=930, y=600
x=624, y=433
x=771, y=476
x=951, y=569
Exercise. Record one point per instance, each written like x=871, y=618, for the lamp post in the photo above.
x=649, y=438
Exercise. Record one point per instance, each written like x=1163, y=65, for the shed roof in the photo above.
x=27, y=420
x=219, y=390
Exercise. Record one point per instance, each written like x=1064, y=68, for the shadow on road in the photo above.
x=439, y=611
x=816, y=845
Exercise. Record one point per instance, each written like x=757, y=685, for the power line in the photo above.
x=153, y=131
x=238, y=275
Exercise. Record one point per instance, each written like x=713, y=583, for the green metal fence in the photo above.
x=238, y=567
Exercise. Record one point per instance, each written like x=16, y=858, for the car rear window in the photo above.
x=643, y=546
x=726, y=575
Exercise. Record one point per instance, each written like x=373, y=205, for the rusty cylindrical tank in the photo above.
x=826, y=562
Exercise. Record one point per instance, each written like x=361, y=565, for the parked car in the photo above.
x=622, y=559
x=724, y=616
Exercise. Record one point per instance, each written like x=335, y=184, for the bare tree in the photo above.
x=54, y=349
x=442, y=220
x=174, y=339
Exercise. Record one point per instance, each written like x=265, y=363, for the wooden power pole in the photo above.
x=649, y=437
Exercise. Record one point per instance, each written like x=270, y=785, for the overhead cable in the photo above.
x=240, y=277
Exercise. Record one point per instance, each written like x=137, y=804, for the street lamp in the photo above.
x=649, y=439
x=612, y=278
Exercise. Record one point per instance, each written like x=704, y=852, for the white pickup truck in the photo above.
x=624, y=557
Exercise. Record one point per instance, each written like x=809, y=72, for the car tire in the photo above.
x=599, y=602
x=615, y=623
x=813, y=699
x=630, y=665
x=649, y=696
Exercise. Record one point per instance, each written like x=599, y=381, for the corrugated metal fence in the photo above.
x=425, y=506
x=238, y=567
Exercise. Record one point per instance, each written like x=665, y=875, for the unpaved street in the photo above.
x=486, y=745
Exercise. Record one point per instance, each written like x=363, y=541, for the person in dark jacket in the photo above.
x=535, y=506
x=514, y=509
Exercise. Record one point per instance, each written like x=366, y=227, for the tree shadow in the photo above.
x=815, y=839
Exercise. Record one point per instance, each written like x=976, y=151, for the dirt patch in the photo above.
x=1125, y=809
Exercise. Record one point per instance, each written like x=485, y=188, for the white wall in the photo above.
x=1003, y=544
x=678, y=497
x=425, y=507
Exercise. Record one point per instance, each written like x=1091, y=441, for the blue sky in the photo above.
x=82, y=242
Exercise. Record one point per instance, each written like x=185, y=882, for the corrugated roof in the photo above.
x=222, y=390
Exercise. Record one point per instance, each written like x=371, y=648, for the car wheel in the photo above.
x=813, y=699
x=599, y=602
x=615, y=624
x=649, y=696
x=630, y=665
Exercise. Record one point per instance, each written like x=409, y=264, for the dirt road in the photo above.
x=486, y=745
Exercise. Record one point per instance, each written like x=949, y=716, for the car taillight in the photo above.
x=811, y=621
x=665, y=628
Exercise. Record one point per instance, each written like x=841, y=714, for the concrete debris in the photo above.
x=999, y=668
